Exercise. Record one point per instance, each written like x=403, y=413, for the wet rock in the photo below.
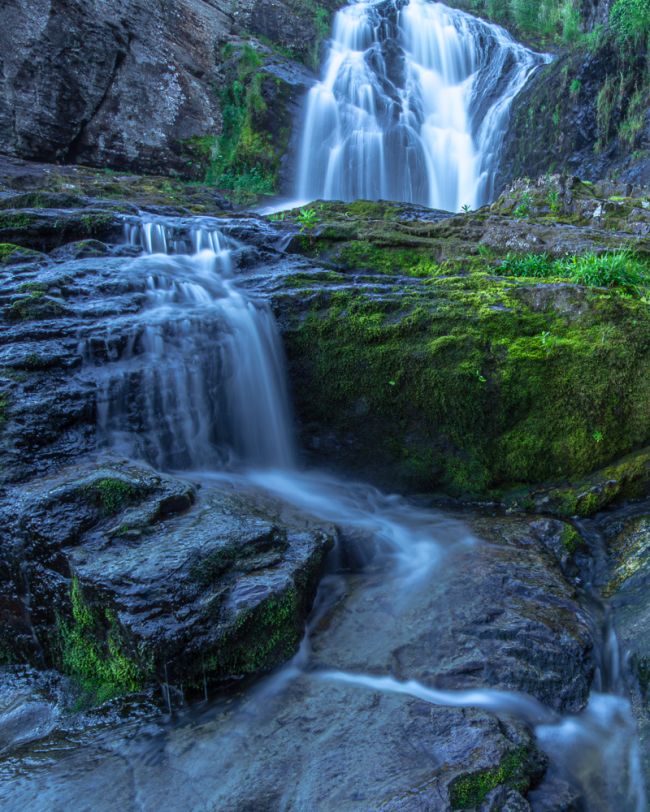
x=134, y=85
x=626, y=534
x=114, y=577
x=311, y=742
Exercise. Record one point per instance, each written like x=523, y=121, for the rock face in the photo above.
x=322, y=743
x=113, y=574
x=129, y=84
x=583, y=139
x=445, y=368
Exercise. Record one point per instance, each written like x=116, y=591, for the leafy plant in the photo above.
x=553, y=200
x=630, y=20
x=620, y=270
x=307, y=219
x=523, y=207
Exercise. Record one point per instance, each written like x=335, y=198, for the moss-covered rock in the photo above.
x=432, y=367
x=132, y=583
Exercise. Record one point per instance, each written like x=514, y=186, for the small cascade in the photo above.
x=412, y=106
x=194, y=378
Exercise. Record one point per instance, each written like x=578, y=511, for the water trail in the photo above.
x=195, y=378
x=597, y=749
x=412, y=106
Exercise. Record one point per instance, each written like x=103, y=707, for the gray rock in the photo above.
x=131, y=83
x=113, y=563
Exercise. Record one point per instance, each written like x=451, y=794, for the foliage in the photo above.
x=469, y=791
x=619, y=270
x=242, y=159
x=307, y=220
x=630, y=21
x=91, y=650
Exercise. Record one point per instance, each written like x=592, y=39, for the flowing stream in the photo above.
x=203, y=368
x=413, y=106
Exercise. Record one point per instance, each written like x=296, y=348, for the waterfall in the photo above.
x=195, y=378
x=412, y=106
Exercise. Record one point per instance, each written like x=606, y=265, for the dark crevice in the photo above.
x=74, y=149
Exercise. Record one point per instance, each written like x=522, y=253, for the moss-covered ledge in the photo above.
x=428, y=359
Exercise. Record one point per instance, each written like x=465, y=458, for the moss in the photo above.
x=469, y=791
x=15, y=253
x=92, y=651
x=571, y=539
x=492, y=381
x=262, y=638
x=36, y=305
x=16, y=221
x=113, y=493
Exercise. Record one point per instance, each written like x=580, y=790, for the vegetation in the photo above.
x=470, y=378
x=243, y=159
x=619, y=270
x=469, y=791
x=92, y=651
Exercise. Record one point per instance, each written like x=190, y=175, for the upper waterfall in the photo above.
x=412, y=106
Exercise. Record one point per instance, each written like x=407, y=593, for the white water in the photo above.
x=202, y=365
x=413, y=106
x=597, y=749
x=196, y=377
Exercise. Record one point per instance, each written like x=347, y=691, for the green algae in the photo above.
x=469, y=791
x=93, y=652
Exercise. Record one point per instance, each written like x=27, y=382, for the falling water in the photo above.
x=195, y=378
x=413, y=105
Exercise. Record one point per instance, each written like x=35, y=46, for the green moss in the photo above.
x=19, y=221
x=36, y=305
x=262, y=638
x=92, y=651
x=469, y=791
x=571, y=539
x=12, y=253
x=113, y=493
x=491, y=381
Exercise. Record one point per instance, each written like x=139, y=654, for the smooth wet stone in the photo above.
x=132, y=579
x=310, y=742
x=628, y=546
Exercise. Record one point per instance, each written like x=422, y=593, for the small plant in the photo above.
x=307, y=219
x=620, y=270
x=574, y=87
x=466, y=208
x=598, y=436
x=523, y=207
x=481, y=378
x=553, y=200
x=278, y=217
x=532, y=265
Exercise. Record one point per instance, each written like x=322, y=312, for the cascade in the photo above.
x=412, y=106
x=195, y=378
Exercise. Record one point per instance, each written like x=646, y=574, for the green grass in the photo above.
x=620, y=270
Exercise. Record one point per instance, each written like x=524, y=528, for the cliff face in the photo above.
x=584, y=114
x=129, y=83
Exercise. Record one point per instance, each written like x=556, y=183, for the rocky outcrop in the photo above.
x=122, y=577
x=497, y=612
x=578, y=115
x=425, y=354
x=132, y=84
